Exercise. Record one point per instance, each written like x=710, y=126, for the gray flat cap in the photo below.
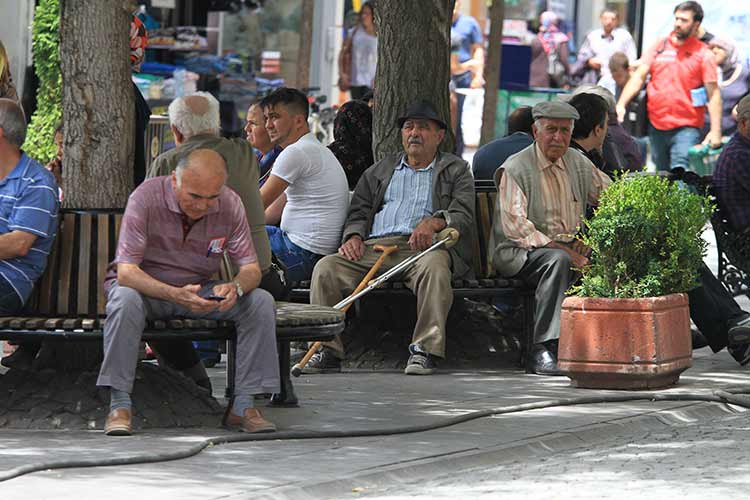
x=554, y=109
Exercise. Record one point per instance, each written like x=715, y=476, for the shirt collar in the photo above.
x=20, y=167
x=403, y=164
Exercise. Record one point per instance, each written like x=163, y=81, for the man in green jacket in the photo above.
x=404, y=200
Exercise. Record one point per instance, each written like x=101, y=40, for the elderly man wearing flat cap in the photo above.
x=404, y=200
x=542, y=195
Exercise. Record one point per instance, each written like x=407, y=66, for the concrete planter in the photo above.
x=625, y=343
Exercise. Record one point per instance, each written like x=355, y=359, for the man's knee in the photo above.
x=436, y=265
x=560, y=260
x=126, y=300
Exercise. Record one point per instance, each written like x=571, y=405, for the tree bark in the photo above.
x=492, y=70
x=98, y=102
x=305, y=44
x=413, y=64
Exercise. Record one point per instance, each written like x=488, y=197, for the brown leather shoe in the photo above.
x=118, y=423
x=252, y=421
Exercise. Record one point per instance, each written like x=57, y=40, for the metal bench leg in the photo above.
x=231, y=367
x=528, y=330
x=286, y=397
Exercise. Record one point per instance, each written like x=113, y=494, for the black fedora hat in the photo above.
x=422, y=109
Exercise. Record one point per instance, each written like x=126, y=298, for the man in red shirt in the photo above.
x=683, y=81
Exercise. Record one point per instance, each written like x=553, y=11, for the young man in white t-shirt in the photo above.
x=317, y=193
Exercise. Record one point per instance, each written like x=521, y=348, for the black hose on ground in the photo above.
x=718, y=396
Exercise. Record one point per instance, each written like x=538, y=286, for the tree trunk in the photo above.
x=305, y=43
x=413, y=64
x=492, y=70
x=98, y=102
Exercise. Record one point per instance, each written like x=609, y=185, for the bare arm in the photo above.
x=16, y=244
x=273, y=213
x=477, y=66
x=272, y=189
x=714, y=112
x=634, y=85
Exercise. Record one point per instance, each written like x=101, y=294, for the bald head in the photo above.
x=197, y=182
x=202, y=165
x=195, y=114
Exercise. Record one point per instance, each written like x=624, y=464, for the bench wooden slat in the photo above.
x=48, y=285
x=54, y=323
x=66, y=262
x=35, y=323
x=72, y=323
x=177, y=324
x=84, y=262
x=102, y=259
x=88, y=324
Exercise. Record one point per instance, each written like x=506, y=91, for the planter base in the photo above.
x=625, y=343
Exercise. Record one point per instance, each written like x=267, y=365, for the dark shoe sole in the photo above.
x=239, y=428
x=418, y=370
x=739, y=335
x=320, y=371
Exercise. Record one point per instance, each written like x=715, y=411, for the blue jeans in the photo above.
x=669, y=148
x=462, y=81
x=299, y=262
x=10, y=302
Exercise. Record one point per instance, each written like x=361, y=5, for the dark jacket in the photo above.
x=452, y=198
x=489, y=157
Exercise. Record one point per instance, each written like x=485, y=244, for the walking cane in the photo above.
x=447, y=237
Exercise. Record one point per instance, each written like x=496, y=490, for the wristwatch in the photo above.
x=240, y=291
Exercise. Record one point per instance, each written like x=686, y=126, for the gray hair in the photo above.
x=190, y=123
x=180, y=168
x=13, y=122
x=538, y=126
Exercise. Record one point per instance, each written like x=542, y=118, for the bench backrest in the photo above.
x=72, y=284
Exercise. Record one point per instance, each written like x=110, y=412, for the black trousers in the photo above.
x=713, y=309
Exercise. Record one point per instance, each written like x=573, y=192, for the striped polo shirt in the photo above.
x=407, y=200
x=28, y=203
x=152, y=237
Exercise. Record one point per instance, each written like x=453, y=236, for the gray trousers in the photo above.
x=549, y=270
x=429, y=278
x=254, y=317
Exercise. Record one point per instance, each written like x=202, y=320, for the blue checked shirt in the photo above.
x=28, y=203
x=408, y=200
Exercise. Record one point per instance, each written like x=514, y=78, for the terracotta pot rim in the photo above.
x=640, y=304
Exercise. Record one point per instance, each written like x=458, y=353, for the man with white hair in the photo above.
x=28, y=221
x=195, y=124
x=174, y=232
x=542, y=194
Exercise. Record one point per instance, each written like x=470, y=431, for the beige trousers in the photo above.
x=335, y=277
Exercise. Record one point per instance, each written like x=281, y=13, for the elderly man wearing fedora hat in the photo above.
x=542, y=196
x=403, y=200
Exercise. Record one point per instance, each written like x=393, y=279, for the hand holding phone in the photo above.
x=217, y=298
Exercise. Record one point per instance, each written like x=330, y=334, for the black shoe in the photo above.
x=22, y=358
x=205, y=383
x=323, y=361
x=544, y=362
x=699, y=341
x=739, y=331
x=740, y=353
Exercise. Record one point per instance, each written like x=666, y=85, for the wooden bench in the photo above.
x=68, y=302
x=486, y=287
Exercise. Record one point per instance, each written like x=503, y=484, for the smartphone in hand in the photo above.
x=217, y=298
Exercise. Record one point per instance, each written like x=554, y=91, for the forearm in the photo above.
x=15, y=244
x=477, y=62
x=132, y=276
x=273, y=213
x=634, y=85
x=249, y=277
x=715, y=111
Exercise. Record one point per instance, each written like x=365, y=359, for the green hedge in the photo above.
x=645, y=239
x=46, y=45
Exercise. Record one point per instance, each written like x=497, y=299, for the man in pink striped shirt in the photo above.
x=542, y=194
x=174, y=233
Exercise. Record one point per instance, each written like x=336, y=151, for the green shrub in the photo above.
x=645, y=239
x=40, y=143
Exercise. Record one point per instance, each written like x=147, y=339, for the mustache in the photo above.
x=414, y=140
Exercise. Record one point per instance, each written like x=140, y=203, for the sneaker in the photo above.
x=22, y=358
x=741, y=353
x=739, y=332
x=323, y=361
x=420, y=362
